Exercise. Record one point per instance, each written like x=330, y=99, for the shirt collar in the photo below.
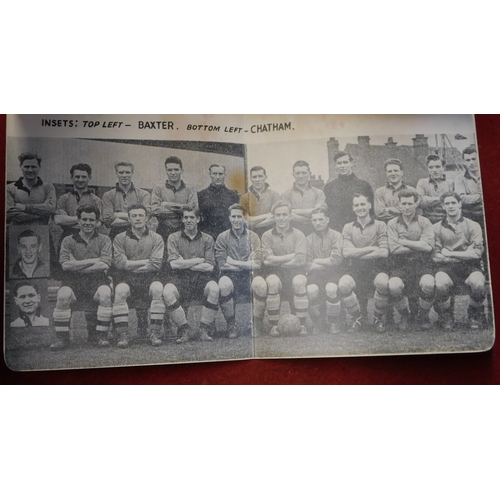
x=402, y=221
x=357, y=224
x=196, y=237
x=17, y=270
x=392, y=188
x=296, y=188
x=120, y=189
x=131, y=234
x=242, y=233
x=19, y=184
x=73, y=191
x=79, y=239
x=173, y=188
x=434, y=182
x=468, y=175
x=323, y=233
x=26, y=318
x=346, y=178
x=216, y=188
x=257, y=195
x=447, y=225
x=289, y=230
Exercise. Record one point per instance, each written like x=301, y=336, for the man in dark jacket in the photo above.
x=214, y=202
x=340, y=191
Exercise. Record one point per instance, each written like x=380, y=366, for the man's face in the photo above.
x=452, y=206
x=124, y=175
x=29, y=248
x=361, y=206
x=436, y=169
x=282, y=217
x=320, y=222
x=27, y=299
x=174, y=172
x=471, y=163
x=302, y=175
x=80, y=179
x=30, y=169
x=190, y=221
x=408, y=206
x=237, y=219
x=218, y=176
x=258, y=178
x=394, y=174
x=87, y=222
x=344, y=165
x=138, y=218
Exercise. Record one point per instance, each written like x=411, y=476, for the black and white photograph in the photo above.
x=130, y=230
x=28, y=252
x=176, y=239
x=377, y=246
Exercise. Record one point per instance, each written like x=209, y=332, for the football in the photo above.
x=289, y=325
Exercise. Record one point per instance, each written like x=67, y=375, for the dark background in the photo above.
x=476, y=368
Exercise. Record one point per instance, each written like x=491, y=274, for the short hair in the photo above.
x=357, y=195
x=433, y=157
x=236, y=206
x=301, y=163
x=193, y=209
x=88, y=209
x=29, y=156
x=124, y=164
x=407, y=193
x=322, y=209
x=257, y=167
x=281, y=204
x=216, y=165
x=174, y=159
x=81, y=166
x=469, y=151
x=20, y=284
x=28, y=234
x=340, y=154
x=449, y=194
x=137, y=206
x=393, y=161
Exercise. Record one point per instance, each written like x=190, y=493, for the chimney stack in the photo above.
x=364, y=141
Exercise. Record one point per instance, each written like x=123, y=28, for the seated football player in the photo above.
x=284, y=253
x=137, y=257
x=329, y=291
x=191, y=277
x=85, y=259
x=411, y=241
x=366, y=250
x=457, y=258
x=237, y=252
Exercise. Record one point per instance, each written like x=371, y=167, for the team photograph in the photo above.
x=150, y=252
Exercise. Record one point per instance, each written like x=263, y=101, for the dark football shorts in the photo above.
x=84, y=287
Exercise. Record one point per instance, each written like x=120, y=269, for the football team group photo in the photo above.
x=194, y=254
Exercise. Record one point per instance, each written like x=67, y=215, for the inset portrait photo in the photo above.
x=29, y=304
x=29, y=252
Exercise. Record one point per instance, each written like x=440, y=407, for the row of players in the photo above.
x=411, y=264
x=33, y=201
x=255, y=200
